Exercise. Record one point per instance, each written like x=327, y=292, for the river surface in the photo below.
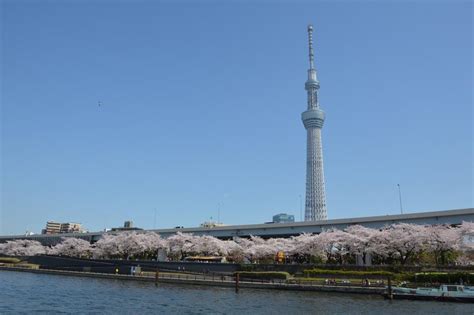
x=30, y=293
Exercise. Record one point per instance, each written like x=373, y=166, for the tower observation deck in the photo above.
x=313, y=120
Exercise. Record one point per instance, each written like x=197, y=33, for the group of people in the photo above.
x=330, y=281
x=365, y=282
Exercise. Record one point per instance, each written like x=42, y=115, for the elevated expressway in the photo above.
x=452, y=217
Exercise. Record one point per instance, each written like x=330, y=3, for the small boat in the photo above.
x=445, y=293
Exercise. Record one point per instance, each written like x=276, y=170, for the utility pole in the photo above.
x=154, y=220
x=218, y=212
x=400, y=197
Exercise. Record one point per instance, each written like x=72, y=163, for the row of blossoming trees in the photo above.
x=397, y=244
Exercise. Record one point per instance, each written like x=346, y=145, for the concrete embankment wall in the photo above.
x=207, y=282
x=109, y=265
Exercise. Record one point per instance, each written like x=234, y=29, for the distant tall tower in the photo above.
x=313, y=120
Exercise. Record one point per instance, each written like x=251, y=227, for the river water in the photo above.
x=29, y=293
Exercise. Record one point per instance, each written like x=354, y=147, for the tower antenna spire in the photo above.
x=310, y=43
x=313, y=120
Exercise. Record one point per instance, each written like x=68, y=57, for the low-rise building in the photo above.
x=127, y=226
x=71, y=228
x=283, y=218
x=53, y=227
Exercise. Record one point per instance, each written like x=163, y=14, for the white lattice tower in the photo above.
x=313, y=120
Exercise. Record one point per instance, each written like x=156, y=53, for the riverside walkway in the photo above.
x=214, y=280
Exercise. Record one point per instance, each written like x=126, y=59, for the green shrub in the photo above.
x=9, y=260
x=443, y=277
x=403, y=276
x=346, y=273
x=263, y=275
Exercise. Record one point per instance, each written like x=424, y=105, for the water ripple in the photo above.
x=27, y=293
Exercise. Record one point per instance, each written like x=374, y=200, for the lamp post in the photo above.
x=400, y=198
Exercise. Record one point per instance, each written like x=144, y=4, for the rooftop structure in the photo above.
x=283, y=218
x=210, y=224
x=127, y=226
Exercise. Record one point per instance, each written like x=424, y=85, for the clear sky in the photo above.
x=201, y=105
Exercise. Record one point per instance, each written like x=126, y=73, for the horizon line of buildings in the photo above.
x=54, y=227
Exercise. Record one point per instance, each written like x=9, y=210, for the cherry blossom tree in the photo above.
x=72, y=247
x=256, y=249
x=334, y=244
x=129, y=245
x=235, y=251
x=245, y=245
x=400, y=242
x=466, y=243
x=155, y=243
x=305, y=244
x=22, y=248
x=466, y=234
x=260, y=251
x=107, y=247
x=360, y=241
x=442, y=240
x=285, y=245
x=210, y=246
x=179, y=245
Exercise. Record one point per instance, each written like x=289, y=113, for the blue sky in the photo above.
x=201, y=105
